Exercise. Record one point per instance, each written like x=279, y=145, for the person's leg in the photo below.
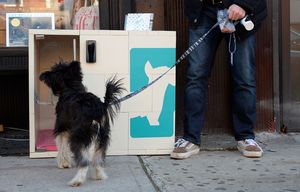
x=244, y=97
x=198, y=72
x=244, y=89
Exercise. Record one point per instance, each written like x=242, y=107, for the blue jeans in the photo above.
x=242, y=79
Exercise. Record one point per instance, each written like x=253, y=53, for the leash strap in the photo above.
x=181, y=58
x=232, y=48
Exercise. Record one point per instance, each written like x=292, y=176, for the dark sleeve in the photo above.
x=257, y=9
x=249, y=5
x=192, y=9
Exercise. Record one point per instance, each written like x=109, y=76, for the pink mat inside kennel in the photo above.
x=45, y=141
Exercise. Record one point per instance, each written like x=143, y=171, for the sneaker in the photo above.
x=184, y=149
x=249, y=148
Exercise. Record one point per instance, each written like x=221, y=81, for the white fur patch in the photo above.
x=87, y=155
x=64, y=153
x=79, y=178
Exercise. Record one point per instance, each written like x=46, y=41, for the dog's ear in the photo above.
x=75, y=66
x=75, y=70
x=44, y=76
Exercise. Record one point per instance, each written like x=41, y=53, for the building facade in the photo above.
x=277, y=57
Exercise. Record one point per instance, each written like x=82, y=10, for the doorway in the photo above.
x=293, y=107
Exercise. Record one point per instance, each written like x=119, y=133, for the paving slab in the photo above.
x=218, y=167
x=277, y=171
x=125, y=173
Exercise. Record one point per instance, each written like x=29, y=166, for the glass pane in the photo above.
x=17, y=16
x=295, y=65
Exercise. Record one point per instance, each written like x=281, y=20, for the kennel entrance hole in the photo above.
x=49, y=49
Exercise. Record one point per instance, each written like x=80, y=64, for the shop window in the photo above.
x=17, y=16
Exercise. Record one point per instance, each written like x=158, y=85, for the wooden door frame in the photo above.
x=282, y=69
x=279, y=57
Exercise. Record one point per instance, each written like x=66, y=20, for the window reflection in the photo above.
x=63, y=11
x=295, y=50
x=294, y=67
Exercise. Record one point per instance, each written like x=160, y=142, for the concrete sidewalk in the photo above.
x=214, y=169
x=125, y=173
x=277, y=171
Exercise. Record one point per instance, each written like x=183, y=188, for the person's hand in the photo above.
x=236, y=12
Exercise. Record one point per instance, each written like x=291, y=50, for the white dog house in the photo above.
x=146, y=123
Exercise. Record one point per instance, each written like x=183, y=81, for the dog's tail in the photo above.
x=114, y=88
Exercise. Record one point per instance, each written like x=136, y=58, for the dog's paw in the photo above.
x=60, y=165
x=79, y=178
x=66, y=164
x=102, y=175
x=63, y=163
x=98, y=174
x=75, y=183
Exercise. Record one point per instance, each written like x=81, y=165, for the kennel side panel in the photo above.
x=111, y=60
x=31, y=72
x=152, y=132
x=111, y=52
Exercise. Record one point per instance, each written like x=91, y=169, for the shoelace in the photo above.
x=181, y=143
x=251, y=142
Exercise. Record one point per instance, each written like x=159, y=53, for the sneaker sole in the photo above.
x=251, y=154
x=186, y=155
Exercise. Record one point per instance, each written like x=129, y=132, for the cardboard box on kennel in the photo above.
x=146, y=122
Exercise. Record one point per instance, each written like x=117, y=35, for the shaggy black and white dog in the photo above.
x=82, y=127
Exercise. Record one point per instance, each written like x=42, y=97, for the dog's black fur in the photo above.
x=81, y=114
